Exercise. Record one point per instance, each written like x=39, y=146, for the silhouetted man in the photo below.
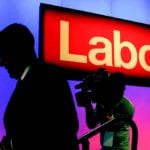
x=40, y=113
x=108, y=91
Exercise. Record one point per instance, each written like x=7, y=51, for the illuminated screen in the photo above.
x=86, y=41
x=136, y=92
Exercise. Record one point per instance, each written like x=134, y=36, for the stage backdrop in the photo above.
x=27, y=12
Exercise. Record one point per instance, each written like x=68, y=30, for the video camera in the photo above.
x=91, y=86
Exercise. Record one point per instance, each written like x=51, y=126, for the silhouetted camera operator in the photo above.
x=106, y=90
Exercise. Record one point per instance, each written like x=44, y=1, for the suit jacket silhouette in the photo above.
x=41, y=113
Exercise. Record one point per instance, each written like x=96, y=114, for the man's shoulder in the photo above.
x=126, y=101
x=127, y=106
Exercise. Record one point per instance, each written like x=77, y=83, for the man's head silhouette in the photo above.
x=16, y=48
x=116, y=86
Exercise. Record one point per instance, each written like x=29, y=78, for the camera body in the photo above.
x=91, y=87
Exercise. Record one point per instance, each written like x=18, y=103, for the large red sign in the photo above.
x=86, y=41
